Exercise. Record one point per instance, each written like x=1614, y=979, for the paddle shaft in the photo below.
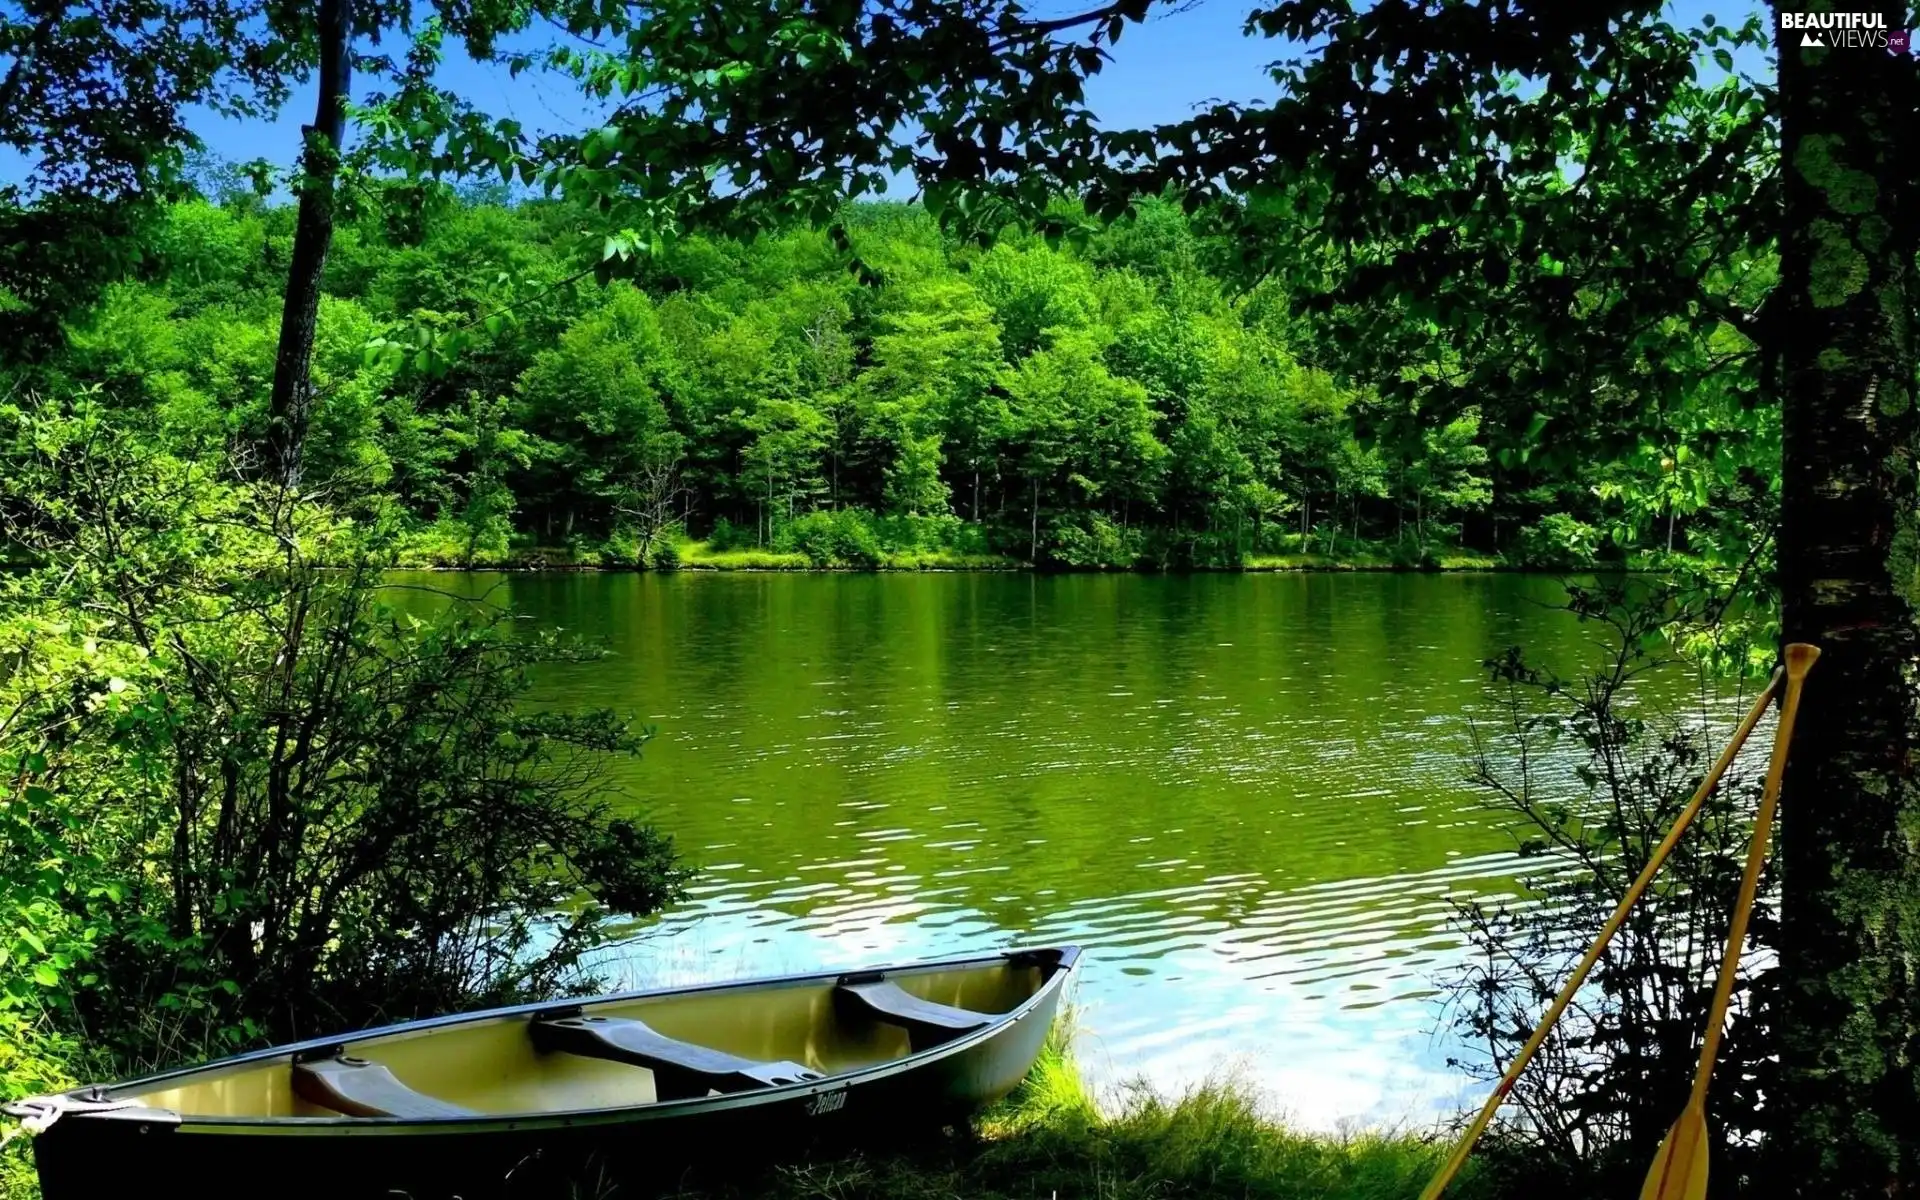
x=1750, y=880
x=1638, y=888
x=1680, y=1166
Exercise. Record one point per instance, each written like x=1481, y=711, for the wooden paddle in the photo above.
x=1659, y=856
x=1679, y=1169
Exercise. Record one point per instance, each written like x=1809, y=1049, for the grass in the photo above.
x=1319, y=562
x=1050, y=1141
x=1468, y=562
x=701, y=556
x=948, y=560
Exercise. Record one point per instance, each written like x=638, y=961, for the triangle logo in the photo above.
x=1807, y=39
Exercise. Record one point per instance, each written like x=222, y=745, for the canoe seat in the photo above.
x=355, y=1087
x=681, y=1070
x=927, y=1023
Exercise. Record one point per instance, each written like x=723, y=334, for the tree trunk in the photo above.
x=290, y=406
x=1033, y=545
x=1850, y=933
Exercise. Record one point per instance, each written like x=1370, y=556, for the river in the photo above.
x=1243, y=794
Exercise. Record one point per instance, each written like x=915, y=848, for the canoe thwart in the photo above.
x=927, y=1023
x=355, y=1087
x=681, y=1070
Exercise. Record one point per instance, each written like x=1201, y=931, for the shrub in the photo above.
x=1413, y=556
x=451, y=543
x=832, y=538
x=1093, y=540
x=911, y=533
x=728, y=536
x=292, y=805
x=1606, y=1085
x=664, y=555
x=1557, y=542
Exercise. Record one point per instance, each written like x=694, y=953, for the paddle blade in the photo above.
x=1680, y=1168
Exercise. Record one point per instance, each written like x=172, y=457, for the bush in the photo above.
x=451, y=543
x=664, y=554
x=1557, y=542
x=728, y=536
x=1093, y=540
x=845, y=537
x=1410, y=556
x=621, y=549
x=910, y=533
x=1607, y=1084
x=278, y=804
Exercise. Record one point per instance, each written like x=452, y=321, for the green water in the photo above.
x=1242, y=793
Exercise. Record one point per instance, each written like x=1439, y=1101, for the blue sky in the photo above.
x=1160, y=73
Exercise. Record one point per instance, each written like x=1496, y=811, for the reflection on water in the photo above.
x=1242, y=794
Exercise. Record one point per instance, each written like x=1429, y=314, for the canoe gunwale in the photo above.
x=96, y=1103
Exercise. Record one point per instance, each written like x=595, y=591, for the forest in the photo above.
x=1498, y=283
x=895, y=395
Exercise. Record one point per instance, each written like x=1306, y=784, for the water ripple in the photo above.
x=1244, y=795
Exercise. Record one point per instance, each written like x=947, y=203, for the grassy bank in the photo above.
x=705, y=556
x=702, y=556
x=1051, y=1141
x=853, y=539
x=1446, y=561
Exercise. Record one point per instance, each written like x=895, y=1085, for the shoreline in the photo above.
x=1019, y=569
x=772, y=564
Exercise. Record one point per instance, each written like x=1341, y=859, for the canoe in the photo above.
x=449, y=1104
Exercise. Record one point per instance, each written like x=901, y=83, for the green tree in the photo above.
x=935, y=380
x=1442, y=479
x=789, y=438
x=1033, y=291
x=595, y=400
x=1079, y=436
x=491, y=448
